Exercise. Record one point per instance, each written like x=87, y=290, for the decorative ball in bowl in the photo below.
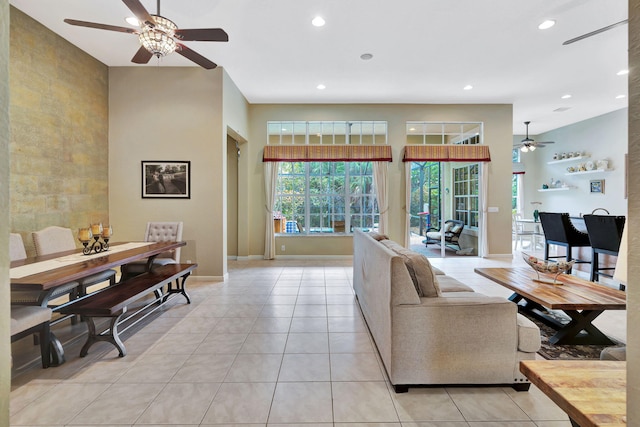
x=548, y=267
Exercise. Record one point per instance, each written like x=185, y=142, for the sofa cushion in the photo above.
x=449, y=284
x=419, y=267
x=528, y=335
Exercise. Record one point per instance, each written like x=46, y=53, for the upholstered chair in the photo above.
x=24, y=318
x=558, y=230
x=157, y=232
x=59, y=239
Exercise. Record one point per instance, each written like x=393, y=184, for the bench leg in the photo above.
x=111, y=337
x=180, y=289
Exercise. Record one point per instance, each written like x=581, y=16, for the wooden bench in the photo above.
x=114, y=301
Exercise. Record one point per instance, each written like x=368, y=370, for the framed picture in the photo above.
x=166, y=179
x=597, y=186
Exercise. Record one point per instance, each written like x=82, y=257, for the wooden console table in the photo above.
x=593, y=393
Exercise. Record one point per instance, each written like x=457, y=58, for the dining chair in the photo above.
x=558, y=230
x=157, y=232
x=37, y=298
x=54, y=239
x=605, y=234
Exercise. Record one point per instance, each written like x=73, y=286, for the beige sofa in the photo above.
x=452, y=335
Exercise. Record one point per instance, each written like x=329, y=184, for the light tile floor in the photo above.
x=280, y=343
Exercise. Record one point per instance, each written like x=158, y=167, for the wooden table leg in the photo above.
x=581, y=320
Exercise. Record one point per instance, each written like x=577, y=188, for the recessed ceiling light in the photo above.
x=546, y=24
x=412, y=129
x=318, y=21
x=132, y=20
x=567, y=96
x=321, y=87
x=468, y=87
x=366, y=56
x=622, y=72
x=621, y=96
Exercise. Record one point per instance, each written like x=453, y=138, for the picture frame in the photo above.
x=166, y=179
x=596, y=186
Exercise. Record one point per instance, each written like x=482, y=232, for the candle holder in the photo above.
x=95, y=232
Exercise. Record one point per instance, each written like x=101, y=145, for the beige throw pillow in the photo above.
x=420, y=270
x=378, y=236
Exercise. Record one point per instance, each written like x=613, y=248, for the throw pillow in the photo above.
x=378, y=236
x=420, y=270
x=456, y=228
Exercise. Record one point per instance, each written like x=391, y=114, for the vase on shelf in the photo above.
x=536, y=215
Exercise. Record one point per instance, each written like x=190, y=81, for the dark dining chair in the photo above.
x=558, y=230
x=605, y=234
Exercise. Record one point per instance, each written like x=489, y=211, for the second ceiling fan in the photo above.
x=528, y=144
x=159, y=36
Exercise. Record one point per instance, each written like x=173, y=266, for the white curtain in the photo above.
x=380, y=173
x=484, y=194
x=270, y=182
x=407, y=203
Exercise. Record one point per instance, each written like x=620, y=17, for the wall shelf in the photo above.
x=570, y=159
x=542, y=190
x=588, y=172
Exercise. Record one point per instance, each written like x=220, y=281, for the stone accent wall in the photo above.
x=59, y=131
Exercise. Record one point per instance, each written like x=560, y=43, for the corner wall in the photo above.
x=171, y=114
x=602, y=137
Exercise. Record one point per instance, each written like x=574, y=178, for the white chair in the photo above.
x=157, y=232
x=519, y=232
x=54, y=239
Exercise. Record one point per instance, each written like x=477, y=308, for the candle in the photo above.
x=96, y=229
x=84, y=234
x=107, y=231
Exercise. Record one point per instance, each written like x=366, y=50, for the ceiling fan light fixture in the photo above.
x=545, y=25
x=524, y=149
x=159, y=39
x=532, y=148
x=132, y=20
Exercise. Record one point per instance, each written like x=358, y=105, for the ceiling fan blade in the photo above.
x=203, y=34
x=101, y=26
x=546, y=142
x=141, y=13
x=195, y=57
x=593, y=33
x=142, y=56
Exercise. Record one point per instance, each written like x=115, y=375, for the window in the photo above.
x=326, y=197
x=465, y=194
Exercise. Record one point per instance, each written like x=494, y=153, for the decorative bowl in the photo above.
x=548, y=267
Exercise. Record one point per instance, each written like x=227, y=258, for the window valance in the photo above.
x=326, y=153
x=446, y=153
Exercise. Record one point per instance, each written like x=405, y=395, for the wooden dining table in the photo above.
x=43, y=273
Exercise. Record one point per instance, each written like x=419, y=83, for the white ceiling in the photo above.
x=425, y=51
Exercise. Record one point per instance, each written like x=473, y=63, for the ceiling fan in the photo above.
x=159, y=36
x=593, y=33
x=528, y=144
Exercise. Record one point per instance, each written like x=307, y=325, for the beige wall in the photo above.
x=497, y=133
x=172, y=114
x=59, y=131
x=5, y=355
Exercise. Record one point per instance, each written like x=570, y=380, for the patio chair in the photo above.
x=452, y=229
